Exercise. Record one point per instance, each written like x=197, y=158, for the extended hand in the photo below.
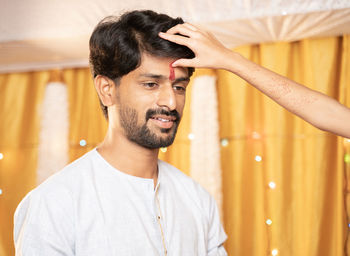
x=209, y=52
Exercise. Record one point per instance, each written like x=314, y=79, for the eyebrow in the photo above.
x=150, y=75
x=161, y=77
x=181, y=79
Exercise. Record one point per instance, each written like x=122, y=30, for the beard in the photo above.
x=142, y=134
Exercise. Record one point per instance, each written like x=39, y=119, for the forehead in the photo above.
x=158, y=65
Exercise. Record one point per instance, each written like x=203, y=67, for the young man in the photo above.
x=119, y=199
x=314, y=107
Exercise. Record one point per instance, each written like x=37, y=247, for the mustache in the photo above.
x=161, y=111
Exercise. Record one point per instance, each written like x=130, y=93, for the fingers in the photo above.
x=190, y=26
x=184, y=63
x=181, y=34
x=183, y=29
x=175, y=38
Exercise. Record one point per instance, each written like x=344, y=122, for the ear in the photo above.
x=105, y=88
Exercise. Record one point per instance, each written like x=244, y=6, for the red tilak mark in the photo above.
x=172, y=72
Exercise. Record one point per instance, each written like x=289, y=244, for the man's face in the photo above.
x=151, y=102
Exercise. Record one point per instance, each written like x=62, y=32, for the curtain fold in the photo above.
x=87, y=123
x=20, y=100
x=284, y=181
x=345, y=99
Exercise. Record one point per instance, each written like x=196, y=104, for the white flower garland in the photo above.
x=53, y=138
x=205, y=144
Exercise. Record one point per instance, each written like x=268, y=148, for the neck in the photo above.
x=128, y=157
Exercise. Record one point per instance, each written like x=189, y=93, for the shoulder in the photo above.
x=59, y=187
x=53, y=200
x=69, y=176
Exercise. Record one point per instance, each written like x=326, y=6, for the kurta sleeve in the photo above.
x=44, y=224
x=217, y=235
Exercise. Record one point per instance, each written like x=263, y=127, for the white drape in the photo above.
x=36, y=37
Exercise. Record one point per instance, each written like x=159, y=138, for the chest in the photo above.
x=133, y=221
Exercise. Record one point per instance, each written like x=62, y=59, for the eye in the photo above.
x=150, y=85
x=179, y=88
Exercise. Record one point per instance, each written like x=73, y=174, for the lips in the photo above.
x=163, y=121
x=163, y=118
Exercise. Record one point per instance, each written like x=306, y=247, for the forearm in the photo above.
x=314, y=107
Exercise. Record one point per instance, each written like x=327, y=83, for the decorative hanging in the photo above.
x=205, y=141
x=53, y=138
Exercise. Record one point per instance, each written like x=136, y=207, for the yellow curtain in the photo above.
x=344, y=89
x=307, y=206
x=20, y=98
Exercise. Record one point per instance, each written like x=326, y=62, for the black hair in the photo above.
x=117, y=43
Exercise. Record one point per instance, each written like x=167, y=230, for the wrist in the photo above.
x=231, y=61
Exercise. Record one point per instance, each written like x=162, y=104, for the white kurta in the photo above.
x=91, y=208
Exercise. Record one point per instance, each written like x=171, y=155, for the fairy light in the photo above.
x=274, y=252
x=224, y=142
x=191, y=136
x=1, y=156
x=258, y=158
x=272, y=185
x=268, y=222
x=256, y=136
x=347, y=158
x=82, y=143
x=164, y=150
x=0, y=191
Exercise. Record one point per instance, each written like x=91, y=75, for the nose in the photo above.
x=167, y=97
